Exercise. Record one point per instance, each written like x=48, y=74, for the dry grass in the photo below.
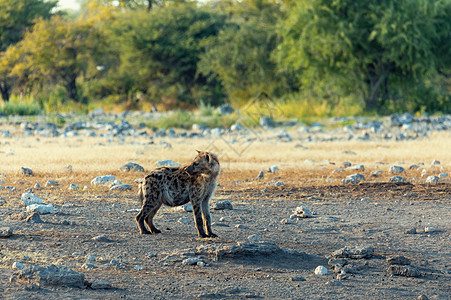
x=90, y=157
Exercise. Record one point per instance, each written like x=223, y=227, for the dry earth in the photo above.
x=372, y=213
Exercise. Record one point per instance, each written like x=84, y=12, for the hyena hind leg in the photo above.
x=149, y=219
x=207, y=218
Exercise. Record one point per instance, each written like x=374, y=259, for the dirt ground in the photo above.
x=373, y=213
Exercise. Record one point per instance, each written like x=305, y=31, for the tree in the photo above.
x=15, y=17
x=56, y=52
x=240, y=57
x=158, y=53
x=378, y=50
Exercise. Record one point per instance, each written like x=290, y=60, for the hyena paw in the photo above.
x=212, y=235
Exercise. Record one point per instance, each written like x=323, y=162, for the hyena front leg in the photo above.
x=198, y=219
x=206, y=216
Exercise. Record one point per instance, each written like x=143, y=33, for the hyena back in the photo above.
x=174, y=186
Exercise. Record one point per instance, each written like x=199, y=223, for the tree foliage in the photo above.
x=15, y=17
x=377, y=50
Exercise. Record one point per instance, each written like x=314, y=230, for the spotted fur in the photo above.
x=175, y=186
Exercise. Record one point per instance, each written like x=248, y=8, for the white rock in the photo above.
x=167, y=163
x=357, y=168
x=273, y=169
x=443, y=175
x=138, y=267
x=29, y=198
x=302, y=212
x=430, y=229
x=18, y=265
x=183, y=220
x=186, y=207
x=191, y=261
x=90, y=258
x=398, y=179
x=396, y=170
x=41, y=208
x=435, y=162
x=432, y=179
x=320, y=270
x=253, y=238
x=287, y=221
x=103, y=179
x=73, y=187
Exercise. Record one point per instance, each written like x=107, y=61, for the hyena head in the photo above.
x=204, y=163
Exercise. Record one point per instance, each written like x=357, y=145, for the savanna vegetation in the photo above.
x=311, y=57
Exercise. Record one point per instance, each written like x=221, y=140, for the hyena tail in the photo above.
x=140, y=191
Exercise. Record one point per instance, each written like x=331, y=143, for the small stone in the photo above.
x=5, y=232
x=29, y=198
x=398, y=179
x=253, y=238
x=34, y=218
x=65, y=222
x=26, y=171
x=131, y=167
x=167, y=163
x=334, y=283
x=411, y=231
x=183, y=220
x=302, y=212
x=376, y=173
x=240, y=226
x=222, y=205
x=18, y=265
x=90, y=258
x=432, y=179
x=435, y=162
x=138, y=267
x=355, y=252
x=407, y=271
x=273, y=169
x=121, y=187
x=279, y=183
x=422, y=297
x=101, y=238
x=396, y=170
x=357, y=168
x=41, y=208
x=296, y=278
x=88, y=266
x=191, y=261
x=398, y=260
x=114, y=262
x=429, y=229
x=188, y=207
x=101, y=285
x=73, y=187
x=51, y=183
x=443, y=175
x=260, y=175
x=37, y=186
x=321, y=270
x=103, y=179
x=287, y=221
x=85, y=188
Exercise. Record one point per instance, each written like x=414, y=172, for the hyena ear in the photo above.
x=208, y=157
x=197, y=151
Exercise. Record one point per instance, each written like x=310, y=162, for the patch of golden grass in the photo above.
x=91, y=157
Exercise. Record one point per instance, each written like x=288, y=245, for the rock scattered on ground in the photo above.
x=302, y=212
x=357, y=252
x=29, y=199
x=41, y=208
x=26, y=171
x=398, y=178
x=398, y=260
x=50, y=276
x=103, y=179
x=320, y=270
x=6, y=232
x=222, y=205
x=131, y=167
x=401, y=270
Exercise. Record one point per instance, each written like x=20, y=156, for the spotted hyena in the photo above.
x=174, y=186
